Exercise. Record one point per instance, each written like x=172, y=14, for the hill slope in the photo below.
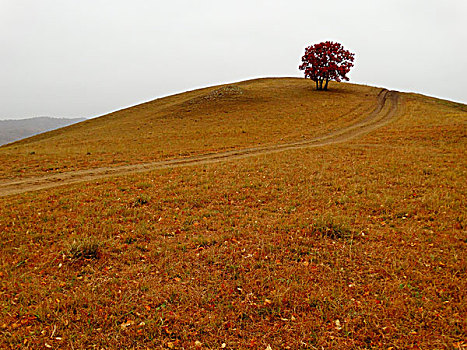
x=350, y=238
x=386, y=108
x=12, y=130
x=251, y=113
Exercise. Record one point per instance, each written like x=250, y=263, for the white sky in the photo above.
x=84, y=58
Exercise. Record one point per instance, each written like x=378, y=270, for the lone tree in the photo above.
x=326, y=61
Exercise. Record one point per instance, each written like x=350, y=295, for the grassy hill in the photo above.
x=351, y=245
x=263, y=111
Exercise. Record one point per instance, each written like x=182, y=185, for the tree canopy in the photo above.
x=326, y=61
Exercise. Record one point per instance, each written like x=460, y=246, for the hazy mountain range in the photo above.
x=13, y=130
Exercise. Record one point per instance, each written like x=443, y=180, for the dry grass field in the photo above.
x=262, y=111
x=354, y=245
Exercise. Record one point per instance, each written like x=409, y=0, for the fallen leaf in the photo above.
x=127, y=324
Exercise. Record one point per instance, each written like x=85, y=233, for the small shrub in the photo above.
x=141, y=200
x=130, y=240
x=203, y=241
x=334, y=228
x=84, y=248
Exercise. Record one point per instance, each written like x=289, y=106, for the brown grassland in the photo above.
x=356, y=245
x=262, y=111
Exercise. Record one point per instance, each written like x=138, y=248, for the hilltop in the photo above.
x=254, y=215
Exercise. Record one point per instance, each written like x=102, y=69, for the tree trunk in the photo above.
x=326, y=86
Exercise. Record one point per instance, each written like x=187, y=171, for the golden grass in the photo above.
x=353, y=246
x=262, y=111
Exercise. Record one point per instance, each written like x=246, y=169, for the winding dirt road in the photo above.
x=376, y=119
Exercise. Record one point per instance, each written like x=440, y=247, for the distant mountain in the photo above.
x=13, y=130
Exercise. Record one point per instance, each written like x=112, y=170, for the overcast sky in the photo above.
x=84, y=58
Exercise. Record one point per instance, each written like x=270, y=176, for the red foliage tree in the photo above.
x=326, y=61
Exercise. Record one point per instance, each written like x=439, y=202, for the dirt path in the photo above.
x=380, y=116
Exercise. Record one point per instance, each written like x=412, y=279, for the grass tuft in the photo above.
x=332, y=227
x=142, y=199
x=84, y=248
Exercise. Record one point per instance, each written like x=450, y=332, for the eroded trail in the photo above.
x=385, y=110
